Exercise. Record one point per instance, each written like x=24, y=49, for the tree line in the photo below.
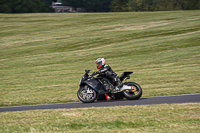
x=25, y=6
x=154, y=5
x=134, y=5
x=90, y=5
x=34, y=6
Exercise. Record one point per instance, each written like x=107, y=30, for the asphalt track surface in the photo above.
x=187, y=98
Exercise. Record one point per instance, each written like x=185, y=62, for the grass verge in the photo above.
x=164, y=118
x=43, y=56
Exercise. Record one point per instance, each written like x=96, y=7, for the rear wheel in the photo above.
x=86, y=94
x=134, y=94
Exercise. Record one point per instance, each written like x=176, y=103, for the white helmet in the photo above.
x=100, y=62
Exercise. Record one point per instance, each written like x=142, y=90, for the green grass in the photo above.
x=164, y=118
x=43, y=56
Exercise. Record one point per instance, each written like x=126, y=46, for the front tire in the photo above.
x=86, y=94
x=133, y=95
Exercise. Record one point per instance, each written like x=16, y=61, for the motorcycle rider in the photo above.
x=106, y=70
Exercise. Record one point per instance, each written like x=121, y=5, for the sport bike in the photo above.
x=96, y=88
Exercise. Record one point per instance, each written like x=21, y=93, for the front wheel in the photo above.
x=134, y=94
x=86, y=94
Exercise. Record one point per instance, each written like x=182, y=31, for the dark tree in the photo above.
x=24, y=6
x=119, y=6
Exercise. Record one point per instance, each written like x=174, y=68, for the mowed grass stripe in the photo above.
x=43, y=56
x=149, y=118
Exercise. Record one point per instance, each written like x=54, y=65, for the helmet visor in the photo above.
x=98, y=64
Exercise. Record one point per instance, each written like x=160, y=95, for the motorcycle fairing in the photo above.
x=124, y=75
x=92, y=82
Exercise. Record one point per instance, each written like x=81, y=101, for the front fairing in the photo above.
x=85, y=77
x=95, y=84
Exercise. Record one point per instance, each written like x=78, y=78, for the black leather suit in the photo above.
x=108, y=72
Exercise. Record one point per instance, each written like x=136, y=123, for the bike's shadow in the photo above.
x=117, y=100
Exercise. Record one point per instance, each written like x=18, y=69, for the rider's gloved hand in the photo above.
x=96, y=72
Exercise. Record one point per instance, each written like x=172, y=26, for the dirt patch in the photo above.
x=71, y=114
x=142, y=27
x=148, y=25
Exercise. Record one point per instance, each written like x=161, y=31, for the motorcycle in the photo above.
x=97, y=88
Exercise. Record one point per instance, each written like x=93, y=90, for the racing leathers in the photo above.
x=108, y=72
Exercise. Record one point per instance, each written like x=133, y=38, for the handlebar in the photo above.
x=91, y=75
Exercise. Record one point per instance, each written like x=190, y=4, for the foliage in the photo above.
x=163, y=5
x=90, y=5
x=33, y=6
x=24, y=6
x=119, y=6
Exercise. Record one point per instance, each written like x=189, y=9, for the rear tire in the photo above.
x=133, y=95
x=86, y=97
